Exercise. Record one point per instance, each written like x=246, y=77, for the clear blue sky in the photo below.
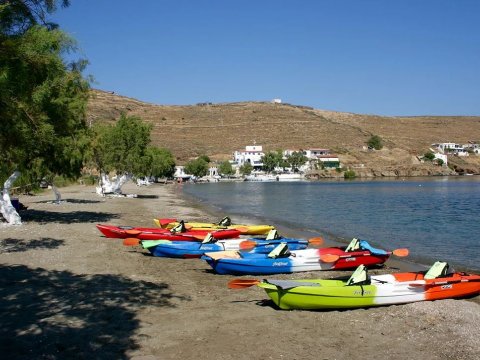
x=390, y=57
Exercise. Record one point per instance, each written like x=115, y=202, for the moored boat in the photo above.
x=282, y=260
x=225, y=223
x=188, y=249
x=361, y=290
x=123, y=232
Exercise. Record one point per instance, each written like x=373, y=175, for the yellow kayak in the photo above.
x=225, y=223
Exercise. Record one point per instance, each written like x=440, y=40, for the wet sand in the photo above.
x=67, y=292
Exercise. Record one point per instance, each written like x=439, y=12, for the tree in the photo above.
x=42, y=99
x=204, y=158
x=296, y=159
x=197, y=167
x=123, y=149
x=18, y=16
x=161, y=163
x=246, y=169
x=429, y=156
x=375, y=142
x=225, y=168
x=271, y=160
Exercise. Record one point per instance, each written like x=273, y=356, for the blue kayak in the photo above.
x=192, y=249
x=282, y=260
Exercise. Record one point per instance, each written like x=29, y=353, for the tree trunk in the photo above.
x=6, y=208
x=112, y=187
x=58, y=196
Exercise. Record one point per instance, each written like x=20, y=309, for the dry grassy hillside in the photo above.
x=219, y=129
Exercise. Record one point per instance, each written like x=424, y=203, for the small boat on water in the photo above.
x=123, y=232
x=362, y=290
x=190, y=249
x=277, y=177
x=282, y=260
x=225, y=223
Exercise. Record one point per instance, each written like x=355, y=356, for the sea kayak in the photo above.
x=225, y=223
x=123, y=232
x=286, y=261
x=366, y=291
x=191, y=249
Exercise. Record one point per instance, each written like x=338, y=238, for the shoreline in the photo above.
x=408, y=264
x=67, y=292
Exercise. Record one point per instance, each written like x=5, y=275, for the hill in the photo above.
x=219, y=129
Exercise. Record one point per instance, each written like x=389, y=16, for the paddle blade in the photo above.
x=242, y=283
x=329, y=258
x=247, y=245
x=133, y=232
x=164, y=222
x=400, y=252
x=242, y=229
x=131, y=242
x=316, y=241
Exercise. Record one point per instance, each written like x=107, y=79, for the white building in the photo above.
x=451, y=149
x=473, y=147
x=316, y=158
x=321, y=157
x=252, y=154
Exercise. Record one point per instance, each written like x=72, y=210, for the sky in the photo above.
x=386, y=57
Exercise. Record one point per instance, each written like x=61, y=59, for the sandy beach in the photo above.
x=67, y=292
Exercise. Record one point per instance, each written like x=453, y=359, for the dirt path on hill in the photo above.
x=66, y=292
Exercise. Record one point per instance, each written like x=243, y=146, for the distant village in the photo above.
x=316, y=158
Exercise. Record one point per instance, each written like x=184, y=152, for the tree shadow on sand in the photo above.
x=57, y=314
x=10, y=245
x=42, y=216
x=139, y=196
x=70, y=201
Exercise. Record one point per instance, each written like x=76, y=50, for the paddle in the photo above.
x=133, y=232
x=164, y=222
x=250, y=244
x=445, y=282
x=243, y=229
x=316, y=241
x=242, y=283
x=329, y=258
x=131, y=242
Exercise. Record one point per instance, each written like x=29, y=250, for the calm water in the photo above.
x=436, y=218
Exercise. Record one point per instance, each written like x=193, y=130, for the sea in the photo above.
x=436, y=218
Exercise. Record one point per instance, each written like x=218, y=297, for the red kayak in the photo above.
x=123, y=232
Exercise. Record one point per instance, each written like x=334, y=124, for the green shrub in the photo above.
x=375, y=142
x=429, y=156
x=349, y=174
x=89, y=180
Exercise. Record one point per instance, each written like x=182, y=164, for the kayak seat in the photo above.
x=180, y=228
x=353, y=246
x=364, y=245
x=208, y=239
x=226, y=221
x=438, y=269
x=272, y=235
x=359, y=277
x=279, y=251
